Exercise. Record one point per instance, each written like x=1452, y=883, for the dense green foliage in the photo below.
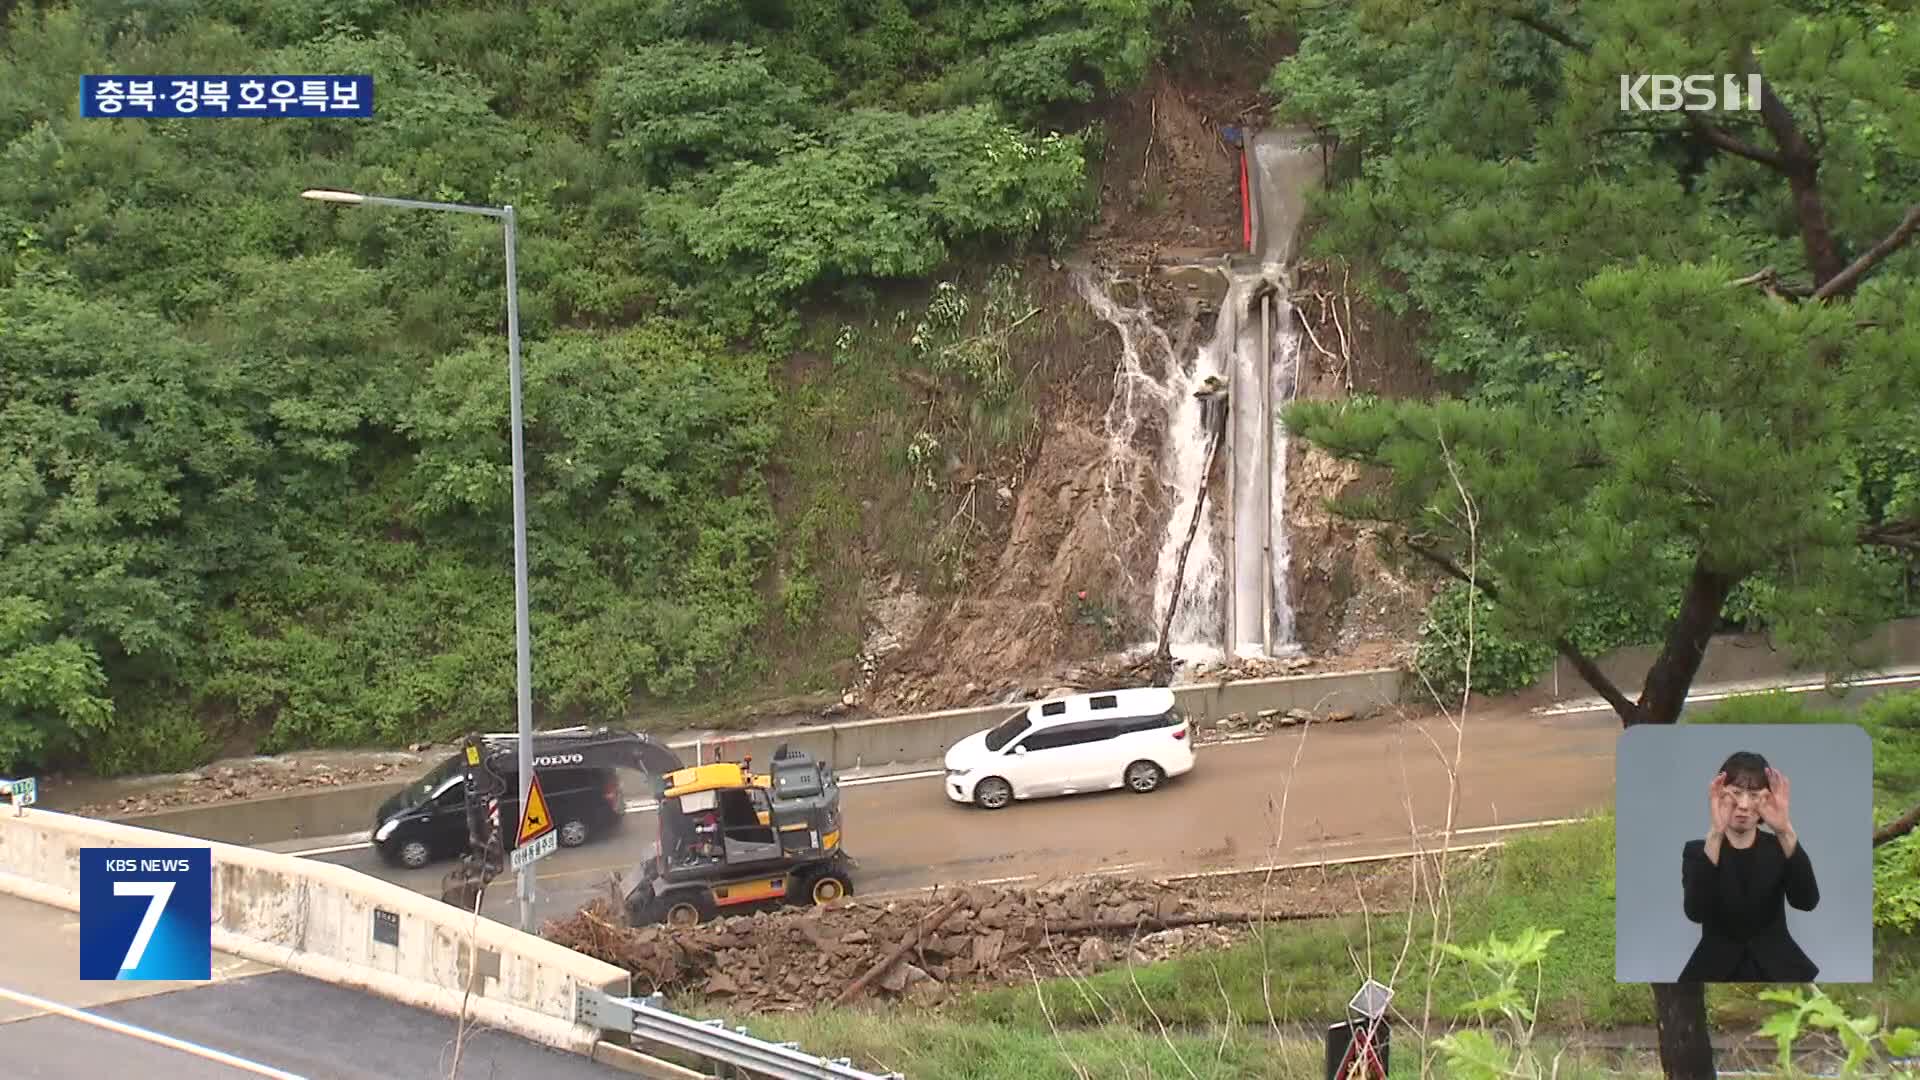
x=1641, y=432
x=255, y=466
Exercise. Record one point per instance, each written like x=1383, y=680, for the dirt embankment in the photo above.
x=926, y=947
x=1066, y=577
x=1346, y=597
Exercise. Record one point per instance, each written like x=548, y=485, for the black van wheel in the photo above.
x=574, y=833
x=415, y=854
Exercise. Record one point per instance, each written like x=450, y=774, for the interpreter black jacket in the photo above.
x=1740, y=905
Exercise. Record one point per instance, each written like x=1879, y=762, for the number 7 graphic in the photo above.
x=157, y=894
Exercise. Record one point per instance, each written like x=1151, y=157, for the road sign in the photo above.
x=535, y=821
x=23, y=792
x=547, y=844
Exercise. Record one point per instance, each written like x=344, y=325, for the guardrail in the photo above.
x=645, y=1019
x=341, y=926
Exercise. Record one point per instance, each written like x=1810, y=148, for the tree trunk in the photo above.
x=1680, y=1009
x=1671, y=676
x=1163, y=656
x=1800, y=162
x=1686, y=1048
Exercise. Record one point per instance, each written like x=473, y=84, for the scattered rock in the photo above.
x=805, y=957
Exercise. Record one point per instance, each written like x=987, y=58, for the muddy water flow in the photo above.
x=1235, y=601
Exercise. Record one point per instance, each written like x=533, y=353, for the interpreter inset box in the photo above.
x=1743, y=853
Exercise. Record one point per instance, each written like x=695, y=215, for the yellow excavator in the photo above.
x=729, y=839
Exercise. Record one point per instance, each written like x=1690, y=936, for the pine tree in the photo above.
x=1690, y=333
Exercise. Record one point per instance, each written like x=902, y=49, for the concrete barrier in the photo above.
x=926, y=737
x=318, y=919
x=269, y=818
x=853, y=744
x=1733, y=658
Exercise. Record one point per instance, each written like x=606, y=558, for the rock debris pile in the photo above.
x=918, y=948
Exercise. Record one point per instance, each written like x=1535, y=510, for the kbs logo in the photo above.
x=1690, y=93
x=146, y=913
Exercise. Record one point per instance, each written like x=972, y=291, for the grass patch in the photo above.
x=1561, y=878
x=929, y=1046
x=1303, y=973
x=926, y=1046
x=1255, y=1010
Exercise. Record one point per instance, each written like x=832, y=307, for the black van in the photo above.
x=427, y=820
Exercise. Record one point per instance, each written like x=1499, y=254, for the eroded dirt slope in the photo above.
x=1065, y=578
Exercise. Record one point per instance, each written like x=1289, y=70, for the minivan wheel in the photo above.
x=1144, y=776
x=415, y=854
x=573, y=834
x=992, y=793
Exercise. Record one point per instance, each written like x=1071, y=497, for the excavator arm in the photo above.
x=492, y=766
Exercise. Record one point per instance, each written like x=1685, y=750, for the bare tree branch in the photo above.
x=1726, y=140
x=1547, y=29
x=1627, y=709
x=1893, y=241
x=1904, y=535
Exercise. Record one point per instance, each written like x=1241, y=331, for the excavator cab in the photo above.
x=731, y=839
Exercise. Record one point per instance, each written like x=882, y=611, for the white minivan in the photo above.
x=1086, y=742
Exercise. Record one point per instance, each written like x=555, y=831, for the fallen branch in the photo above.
x=1163, y=656
x=899, y=952
x=1173, y=922
x=1897, y=828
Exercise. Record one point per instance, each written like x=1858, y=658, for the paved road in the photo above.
x=1354, y=789
x=249, y=1021
x=1350, y=793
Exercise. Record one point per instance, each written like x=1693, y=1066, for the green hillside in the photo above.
x=254, y=449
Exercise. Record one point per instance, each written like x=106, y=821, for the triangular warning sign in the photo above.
x=535, y=822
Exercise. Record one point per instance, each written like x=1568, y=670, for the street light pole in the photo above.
x=523, y=648
x=522, y=644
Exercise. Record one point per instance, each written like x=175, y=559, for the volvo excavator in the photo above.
x=729, y=839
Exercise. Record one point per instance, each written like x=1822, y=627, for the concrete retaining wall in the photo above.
x=851, y=745
x=926, y=737
x=317, y=919
x=269, y=818
x=1733, y=658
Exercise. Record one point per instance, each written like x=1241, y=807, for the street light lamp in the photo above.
x=522, y=647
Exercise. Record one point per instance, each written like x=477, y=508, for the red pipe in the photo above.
x=1246, y=204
